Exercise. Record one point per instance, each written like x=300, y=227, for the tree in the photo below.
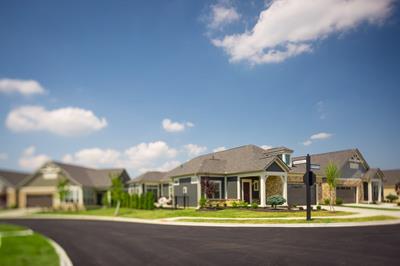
x=117, y=192
x=209, y=188
x=62, y=188
x=275, y=200
x=332, y=174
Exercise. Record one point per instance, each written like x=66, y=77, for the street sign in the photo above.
x=311, y=176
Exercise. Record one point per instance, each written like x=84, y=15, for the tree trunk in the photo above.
x=331, y=199
x=117, y=208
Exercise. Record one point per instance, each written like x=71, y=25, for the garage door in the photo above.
x=297, y=194
x=347, y=194
x=39, y=200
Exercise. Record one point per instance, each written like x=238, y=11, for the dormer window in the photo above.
x=286, y=158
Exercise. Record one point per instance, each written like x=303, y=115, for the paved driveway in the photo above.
x=116, y=243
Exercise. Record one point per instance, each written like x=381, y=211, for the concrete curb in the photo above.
x=195, y=224
x=64, y=259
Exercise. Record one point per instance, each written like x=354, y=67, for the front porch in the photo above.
x=250, y=188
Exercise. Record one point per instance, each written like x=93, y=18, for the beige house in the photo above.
x=86, y=186
x=9, y=184
x=391, y=182
x=358, y=182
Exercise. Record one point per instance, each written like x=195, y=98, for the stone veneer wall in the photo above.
x=274, y=186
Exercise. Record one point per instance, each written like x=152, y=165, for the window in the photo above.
x=194, y=180
x=176, y=182
x=354, y=165
x=256, y=185
x=286, y=159
x=217, y=190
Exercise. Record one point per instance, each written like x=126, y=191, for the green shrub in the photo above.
x=254, y=205
x=235, y=204
x=392, y=198
x=318, y=207
x=243, y=204
x=398, y=203
x=142, y=202
x=149, y=201
x=327, y=201
x=339, y=201
x=203, y=202
x=275, y=200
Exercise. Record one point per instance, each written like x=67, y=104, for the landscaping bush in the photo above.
x=142, y=202
x=203, y=202
x=235, y=204
x=243, y=204
x=392, y=198
x=398, y=203
x=149, y=199
x=318, y=207
x=275, y=200
x=254, y=205
x=339, y=201
x=326, y=201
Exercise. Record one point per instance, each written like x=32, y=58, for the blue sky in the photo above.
x=105, y=74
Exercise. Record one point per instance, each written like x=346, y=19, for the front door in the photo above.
x=246, y=192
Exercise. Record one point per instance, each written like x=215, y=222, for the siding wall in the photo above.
x=191, y=192
x=231, y=184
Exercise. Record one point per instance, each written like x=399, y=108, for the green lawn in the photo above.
x=226, y=213
x=32, y=250
x=293, y=221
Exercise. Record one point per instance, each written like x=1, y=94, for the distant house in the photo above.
x=87, y=186
x=358, y=182
x=9, y=183
x=392, y=178
x=152, y=181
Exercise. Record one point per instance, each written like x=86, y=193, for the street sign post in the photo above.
x=308, y=187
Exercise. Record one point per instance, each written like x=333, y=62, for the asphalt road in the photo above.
x=115, y=243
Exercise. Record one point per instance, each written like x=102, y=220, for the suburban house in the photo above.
x=247, y=173
x=391, y=184
x=152, y=181
x=9, y=184
x=252, y=174
x=358, y=183
x=87, y=186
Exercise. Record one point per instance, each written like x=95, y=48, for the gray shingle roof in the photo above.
x=151, y=176
x=323, y=159
x=249, y=158
x=89, y=177
x=392, y=177
x=13, y=178
x=372, y=173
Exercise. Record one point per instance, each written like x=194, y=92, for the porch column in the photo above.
x=380, y=191
x=80, y=196
x=369, y=192
x=226, y=187
x=238, y=188
x=263, y=201
x=358, y=194
x=285, y=187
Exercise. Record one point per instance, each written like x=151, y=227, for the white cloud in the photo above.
x=24, y=87
x=222, y=148
x=194, y=150
x=321, y=136
x=69, y=121
x=139, y=158
x=94, y=157
x=172, y=127
x=30, y=160
x=222, y=15
x=3, y=156
x=287, y=28
x=266, y=147
x=318, y=136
